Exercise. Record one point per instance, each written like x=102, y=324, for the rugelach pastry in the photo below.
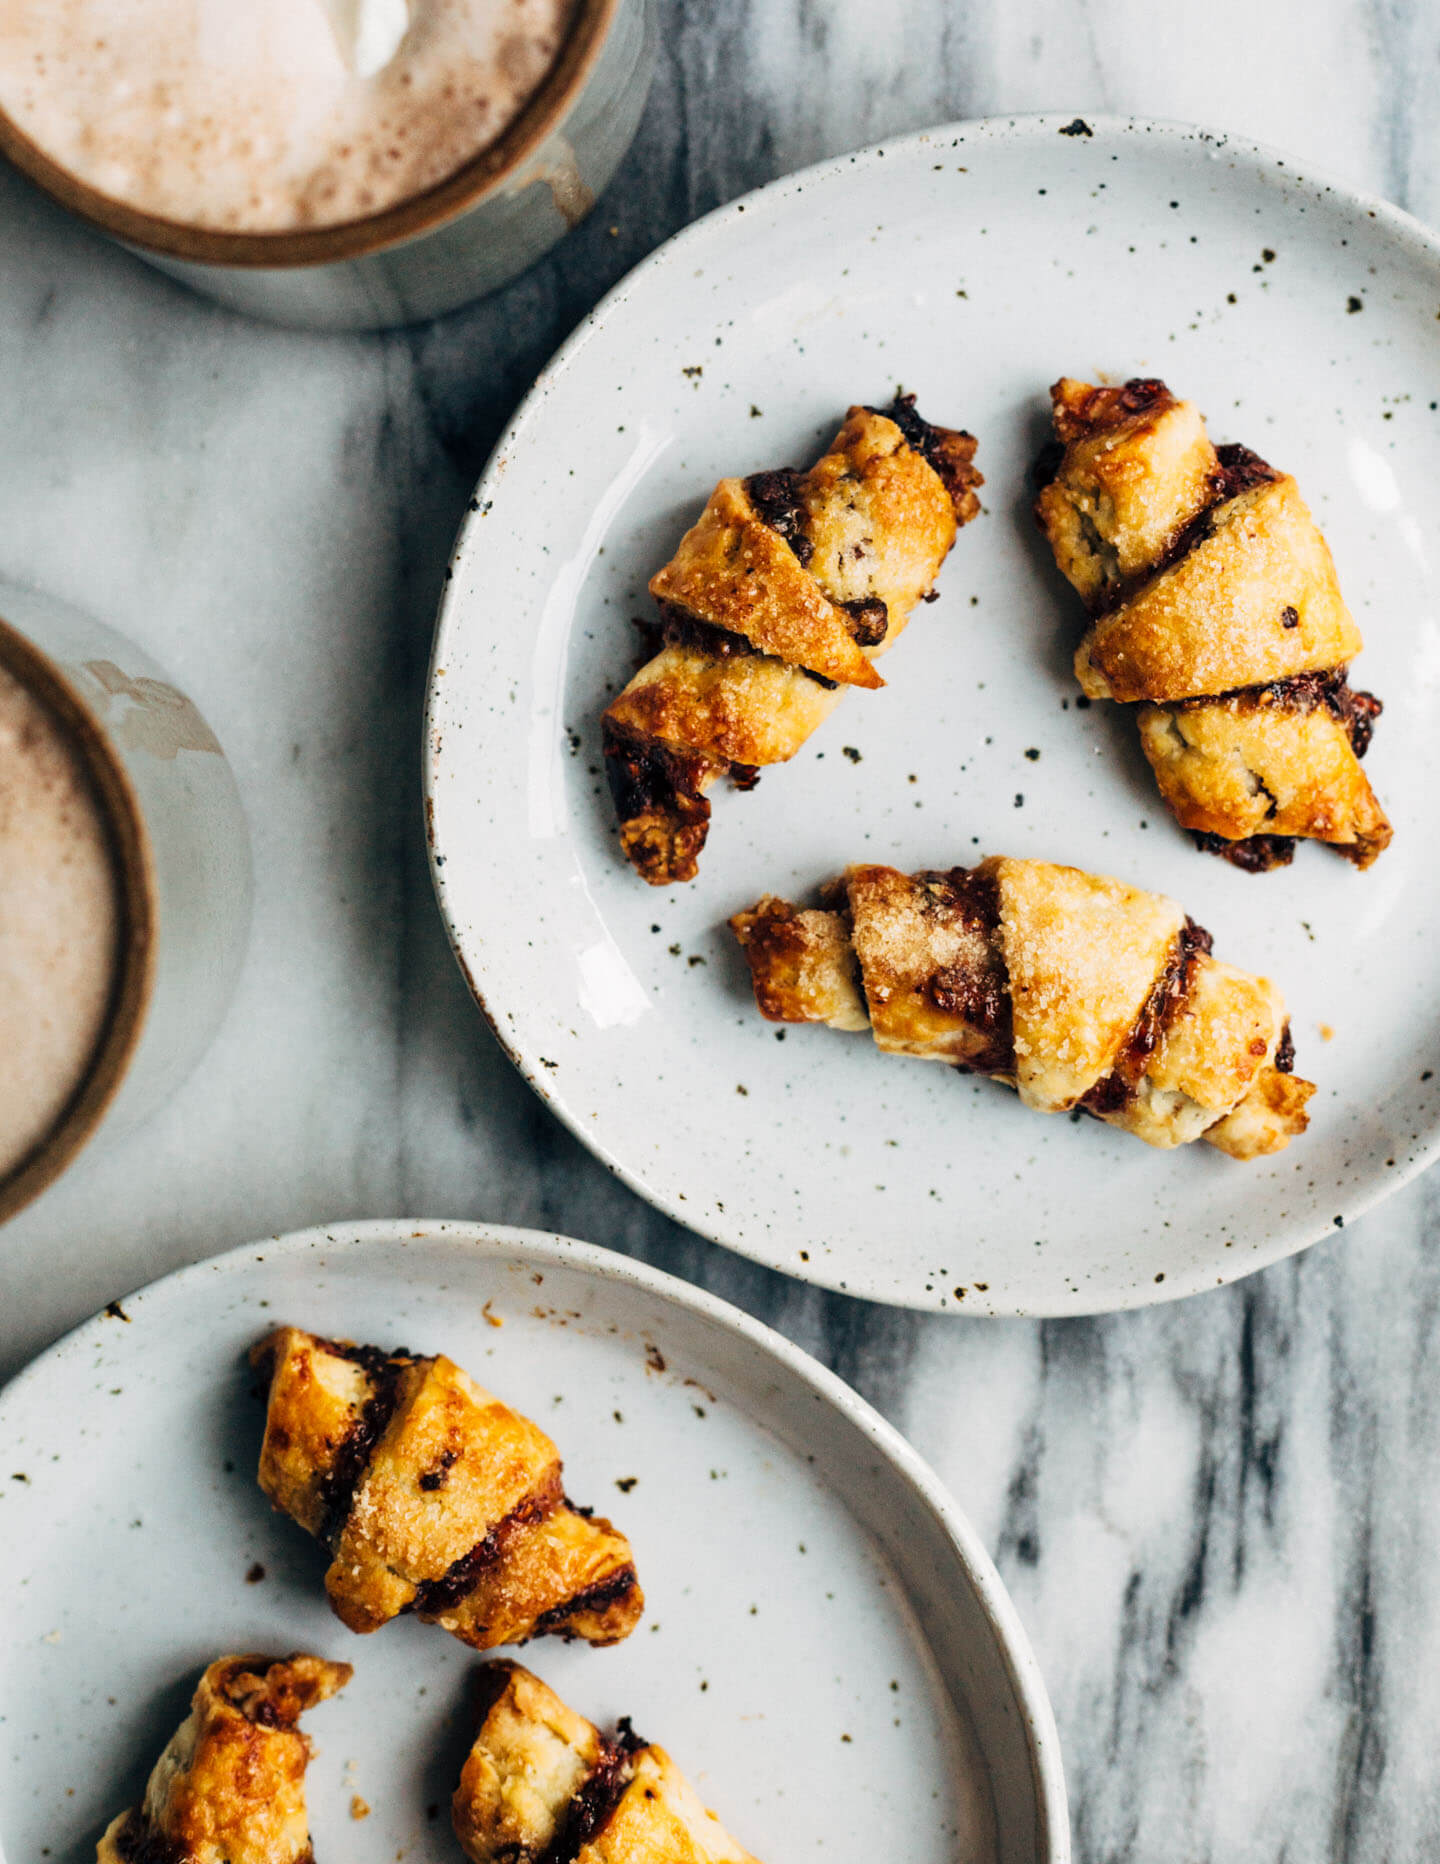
x=434, y=1497
x=785, y=593
x=230, y=1787
x=1075, y=990
x=1214, y=604
x=542, y=1785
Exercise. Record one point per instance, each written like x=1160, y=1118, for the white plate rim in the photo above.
x=1021, y=127
x=551, y=1249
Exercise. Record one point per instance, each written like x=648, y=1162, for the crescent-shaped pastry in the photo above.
x=787, y=590
x=434, y=1497
x=230, y=1787
x=1075, y=990
x=1215, y=606
x=542, y=1785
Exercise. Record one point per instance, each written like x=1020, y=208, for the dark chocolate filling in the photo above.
x=777, y=501
x=1166, y=998
x=491, y=1682
x=593, y=1599
x=979, y=994
x=1255, y=854
x=342, y=1478
x=139, y=1844
x=1048, y=461
x=462, y=1576
x=646, y=778
x=626, y=1736
x=1307, y=692
x=1241, y=470
x=592, y=1808
x=1285, y=1052
x=679, y=628
x=869, y=620
x=439, y=1473
x=948, y=450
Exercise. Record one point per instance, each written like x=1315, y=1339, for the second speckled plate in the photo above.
x=972, y=265
x=826, y=1648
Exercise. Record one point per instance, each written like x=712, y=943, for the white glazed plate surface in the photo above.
x=826, y=1648
x=974, y=266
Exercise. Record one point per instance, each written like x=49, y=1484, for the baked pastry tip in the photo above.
x=434, y=1497
x=230, y=1786
x=1076, y=990
x=542, y=1785
x=784, y=593
x=1216, y=610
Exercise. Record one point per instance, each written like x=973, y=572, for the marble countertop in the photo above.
x=1217, y=1519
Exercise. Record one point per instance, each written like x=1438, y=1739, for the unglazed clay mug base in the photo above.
x=486, y=224
x=181, y=856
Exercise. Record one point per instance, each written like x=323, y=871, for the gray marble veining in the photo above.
x=1218, y=1519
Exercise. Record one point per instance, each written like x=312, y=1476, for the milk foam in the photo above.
x=270, y=115
x=59, y=921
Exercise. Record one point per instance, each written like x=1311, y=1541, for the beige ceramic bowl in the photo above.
x=483, y=226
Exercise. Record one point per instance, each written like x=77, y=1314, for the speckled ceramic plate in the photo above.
x=973, y=265
x=826, y=1647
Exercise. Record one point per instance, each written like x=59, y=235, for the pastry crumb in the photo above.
x=359, y=1808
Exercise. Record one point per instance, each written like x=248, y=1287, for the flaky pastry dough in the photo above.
x=230, y=1787
x=434, y=1497
x=541, y=1785
x=1076, y=990
x=1216, y=609
x=786, y=591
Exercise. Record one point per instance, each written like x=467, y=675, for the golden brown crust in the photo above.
x=1082, y=953
x=750, y=709
x=1138, y=468
x=1209, y=1059
x=434, y=1497
x=1215, y=602
x=734, y=572
x=1254, y=600
x=803, y=964
x=879, y=517
x=543, y=1784
x=531, y=1756
x=1250, y=764
x=927, y=963
x=1075, y=989
x=788, y=588
x=1266, y=1120
x=230, y=1787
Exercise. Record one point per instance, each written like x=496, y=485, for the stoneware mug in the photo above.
x=483, y=226
x=181, y=856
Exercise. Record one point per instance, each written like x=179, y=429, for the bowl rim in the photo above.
x=133, y=858
x=292, y=248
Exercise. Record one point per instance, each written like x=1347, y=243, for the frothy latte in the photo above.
x=268, y=116
x=60, y=922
